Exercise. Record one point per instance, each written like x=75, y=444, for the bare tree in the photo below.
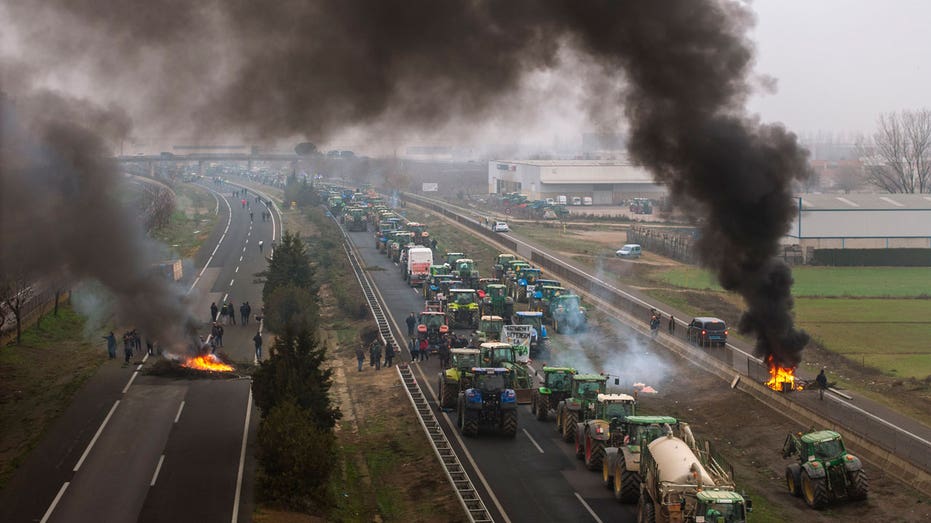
x=897, y=158
x=15, y=290
x=848, y=178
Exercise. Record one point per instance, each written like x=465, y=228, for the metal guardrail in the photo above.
x=455, y=472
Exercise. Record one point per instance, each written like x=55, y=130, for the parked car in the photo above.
x=631, y=250
x=500, y=227
x=706, y=331
x=586, y=200
x=576, y=200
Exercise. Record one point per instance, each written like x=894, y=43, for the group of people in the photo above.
x=375, y=353
x=656, y=321
x=227, y=313
x=132, y=344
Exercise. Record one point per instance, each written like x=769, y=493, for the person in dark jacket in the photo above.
x=389, y=354
x=214, y=310
x=257, y=340
x=242, y=313
x=360, y=356
x=232, y=313
x=111, y=345
x=822, y=381
x=377, y=348
x=411, y=323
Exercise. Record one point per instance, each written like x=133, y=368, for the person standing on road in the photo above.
x=224, y=312
x=389, y=354
x=411, y=322
x=251, y=216
x=232, y=313
x=414, y=347
x=248, y=313
x=360, y=355
x=214, y=310
x=127, y=346
x=672, y=324
x=372, y=353
x=822, y=383
x=111, y=345
x=257, y=340
x=242, y=313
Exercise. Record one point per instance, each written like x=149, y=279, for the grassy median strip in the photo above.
x=191, y=223
x=40, y=377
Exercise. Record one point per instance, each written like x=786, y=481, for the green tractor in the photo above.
x=458, y=377
x=451, y=257
x=535, y=299
x=825, y=470
x=421, y=236
x=355, y=219
x=603, y=430
x=555, y=388
x=544, y=296
x=490, y=401
x=567, y=314
x=620, y=469
x=501, y=265
x=578, y=406
x=499, y=354
x=497, y=301
x=462, y=308
x=465, y=270
x=489, y=329
x=400, y=240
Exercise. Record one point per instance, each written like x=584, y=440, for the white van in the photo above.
x=631, y=250
x=550, y=201
x=576, y=200
x=587, y=200
x=419, y=260
x=561, y=199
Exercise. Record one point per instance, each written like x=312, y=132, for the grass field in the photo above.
x=191, y=222
x=858, y=282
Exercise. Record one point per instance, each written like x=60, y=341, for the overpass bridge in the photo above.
x=152, y=160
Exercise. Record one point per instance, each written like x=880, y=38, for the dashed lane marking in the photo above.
x=588, y=508
x=158, y=469
x=180, y=408
x=97, y=435
x=533, y=441
x=51, y=508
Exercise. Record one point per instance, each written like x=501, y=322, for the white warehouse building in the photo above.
x=607, y=182
x=862, y=221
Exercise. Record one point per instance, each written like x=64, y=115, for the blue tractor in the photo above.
x=490, y=403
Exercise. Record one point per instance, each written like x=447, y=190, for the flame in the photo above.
x=207, y=362
x=780, y=375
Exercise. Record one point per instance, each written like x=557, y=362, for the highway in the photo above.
x=533, y=477
x=138, y=447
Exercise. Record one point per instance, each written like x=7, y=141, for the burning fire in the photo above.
x=207, y=362
x=782, y=378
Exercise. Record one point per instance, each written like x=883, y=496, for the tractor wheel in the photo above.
x=569, y=420
x=793, y=479
x=543, y=408
x=815, y=491
x=447, y=395
x=626, y=482
x=859, y=485
x=594, y=454
x=469, y=424
x=607, y=478
x=509, y=423
x=647, y=513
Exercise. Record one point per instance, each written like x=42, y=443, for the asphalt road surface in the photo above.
x=137, y=447
x=532, y=477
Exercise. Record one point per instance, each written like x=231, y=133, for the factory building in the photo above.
x=862, y=221
x=607, y=182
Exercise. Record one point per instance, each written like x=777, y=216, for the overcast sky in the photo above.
x=839, y=63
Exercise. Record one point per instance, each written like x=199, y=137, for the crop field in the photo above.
x=853, y=282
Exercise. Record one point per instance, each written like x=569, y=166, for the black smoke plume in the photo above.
x=678, y=69
x=60, y=216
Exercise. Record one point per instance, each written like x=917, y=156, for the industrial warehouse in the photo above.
x=606, y=182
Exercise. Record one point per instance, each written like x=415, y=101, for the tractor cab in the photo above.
x=721, y=506
x=451, y=258
x=497, y=353
x=501, y=264
x=489, y=329
x=614, y=407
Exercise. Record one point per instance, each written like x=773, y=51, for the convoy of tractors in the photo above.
x=653, y=460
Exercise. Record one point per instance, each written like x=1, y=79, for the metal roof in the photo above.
x=865, y=202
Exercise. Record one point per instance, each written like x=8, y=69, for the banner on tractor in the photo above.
x=519, y=337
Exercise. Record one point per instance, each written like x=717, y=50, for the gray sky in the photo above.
x=839, y=63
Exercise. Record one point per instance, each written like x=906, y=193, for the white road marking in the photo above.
x=533, y=441
x=158, y=468
x=139, y=367
x=130, y=382
x=97, y=435
x=229, y=220
x=237, y=269
x=240, y=258
x=61, y=492
x=180, y=408
x=588, y=508
x=242, y=459
x=231, y=282
x=225, y=296
x=877, y=418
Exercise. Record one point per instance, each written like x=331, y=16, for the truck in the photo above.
x=684, y=484
x=825, y=471
x=490, y=402
x=419, y=260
